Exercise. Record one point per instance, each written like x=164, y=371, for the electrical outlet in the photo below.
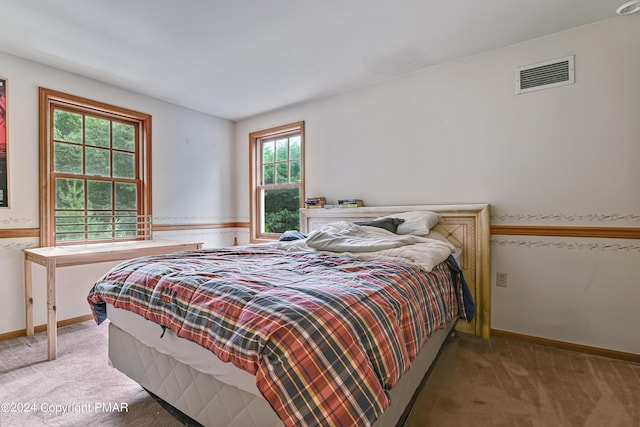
x=501, y=279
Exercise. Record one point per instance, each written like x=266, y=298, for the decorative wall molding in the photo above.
x=13, y=233
x=591, y=218
x=18, y=233
x=567, y=245
x=13, y=221
x=496, y=217
x=510, y=230
x=17, y=246
x=567, y=231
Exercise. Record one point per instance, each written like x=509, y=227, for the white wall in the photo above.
x=193, y=162
x=459, y=133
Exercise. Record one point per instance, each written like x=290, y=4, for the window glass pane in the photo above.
x=98, y=132
x=99, y=195
x=98, y=162
x=124, y=137
x=282, y=176
x=123, y=165
x=268, y=174
x=267, y=152
x=294, y=169
x=69, y=225
x=126, y=197
x=64, y=233
x=126, y=224
x=67, y=126
x=282, y=149
x=69, y=193
x=294, y=147
x=67, y=158
x=100, y=227
x=99, y=233
x=281, y=210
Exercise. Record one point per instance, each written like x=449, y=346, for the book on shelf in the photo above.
x=315, y=202
x=350, y=203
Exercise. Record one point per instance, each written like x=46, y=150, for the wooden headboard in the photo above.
x=466, y=226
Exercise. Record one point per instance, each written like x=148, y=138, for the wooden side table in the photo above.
x=65, y=256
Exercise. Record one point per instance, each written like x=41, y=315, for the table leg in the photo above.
x=52, y=324
x=28, y=295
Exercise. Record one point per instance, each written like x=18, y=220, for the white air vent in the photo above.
x=545, y=75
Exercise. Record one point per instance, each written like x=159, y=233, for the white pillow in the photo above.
x=417, y=223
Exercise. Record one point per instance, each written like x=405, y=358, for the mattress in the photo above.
x=182, y=350
x=199, y=388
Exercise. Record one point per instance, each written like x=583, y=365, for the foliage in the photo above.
x=89, y=146
x=281, y=210
x=281, y=158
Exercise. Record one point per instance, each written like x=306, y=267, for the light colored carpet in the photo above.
x=76, y=389
x=475, y=382
x=505, y=382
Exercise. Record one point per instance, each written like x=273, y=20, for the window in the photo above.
x=95, y=171
x=277, y=180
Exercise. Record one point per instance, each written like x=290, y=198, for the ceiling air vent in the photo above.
x=545, y=75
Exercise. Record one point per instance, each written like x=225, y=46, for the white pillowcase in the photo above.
x=417, y=223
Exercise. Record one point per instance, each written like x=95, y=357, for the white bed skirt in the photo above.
x=169, y=369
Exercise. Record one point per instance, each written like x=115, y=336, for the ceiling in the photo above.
x=238, y=58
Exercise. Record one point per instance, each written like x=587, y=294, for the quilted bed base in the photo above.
x=214, y=403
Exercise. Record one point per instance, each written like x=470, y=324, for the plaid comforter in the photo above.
x=327, y=337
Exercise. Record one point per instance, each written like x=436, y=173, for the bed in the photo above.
x=374, y=381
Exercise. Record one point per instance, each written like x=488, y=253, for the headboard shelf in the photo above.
x=464, y=225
